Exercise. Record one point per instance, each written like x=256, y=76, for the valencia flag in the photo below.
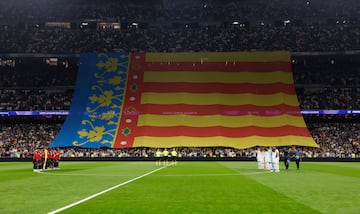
x=229, y=99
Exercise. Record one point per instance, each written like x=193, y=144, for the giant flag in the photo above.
x=233, y=99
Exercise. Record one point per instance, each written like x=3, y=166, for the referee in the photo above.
x=173, y=157
x=158, y=154
x=166, y=156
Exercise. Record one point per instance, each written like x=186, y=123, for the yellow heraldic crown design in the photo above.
x=105, y=101
x=111, y=65
x=109, y=115
x=95, y=135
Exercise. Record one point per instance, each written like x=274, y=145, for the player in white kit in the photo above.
x=260, y=158
x=267, y=157
x=275, y=159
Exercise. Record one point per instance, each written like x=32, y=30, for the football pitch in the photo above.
x=188, y=187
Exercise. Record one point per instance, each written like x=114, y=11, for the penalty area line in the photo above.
x=104, y=191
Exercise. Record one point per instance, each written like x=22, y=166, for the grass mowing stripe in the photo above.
x=278, y=199
x=213, y=175
x=328, y=188
x=24, y=191
x=336, y=169
x=160, y=193
x=341, y=164
x=105, y=191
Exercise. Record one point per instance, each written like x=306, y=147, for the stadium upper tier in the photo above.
x=75, y=26
x=180, y=10
x=200, y=39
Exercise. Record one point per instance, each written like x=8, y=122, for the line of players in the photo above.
x=165, y=156
x=268, y=158
x=44, y=159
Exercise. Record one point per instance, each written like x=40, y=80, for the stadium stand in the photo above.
x=40, y=43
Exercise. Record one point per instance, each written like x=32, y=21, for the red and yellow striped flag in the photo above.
x=237, y=99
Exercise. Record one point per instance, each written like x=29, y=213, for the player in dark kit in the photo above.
x=287, y=159
x=51, y=158
x=57, y=158
x=37, y=160
x=297, y=156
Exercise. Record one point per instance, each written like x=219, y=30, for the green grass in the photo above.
x=189, y=187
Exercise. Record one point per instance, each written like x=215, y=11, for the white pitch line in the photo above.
x=212, y=175
x=104, y=191
x=87, y=175
x=166, y=175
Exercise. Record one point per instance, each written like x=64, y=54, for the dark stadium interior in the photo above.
x=40, y=43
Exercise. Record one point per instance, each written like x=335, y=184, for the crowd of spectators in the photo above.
x=160, y=10
x=329, y=98
x=337, y=139
x=202, y=38
x=20, y=140
x=202, y=26
x=35, y=100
